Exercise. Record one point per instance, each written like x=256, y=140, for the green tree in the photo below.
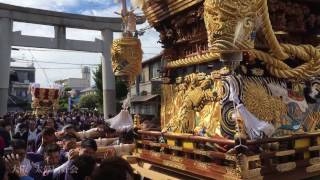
x=121, y=87
x=97, y=76
x=88, y=101
x=63, y=101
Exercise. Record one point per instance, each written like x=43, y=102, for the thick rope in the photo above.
x=268, y=31
x=280, y=52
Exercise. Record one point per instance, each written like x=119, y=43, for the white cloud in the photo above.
x=58, y=5
x=108, y=12
x=104, y=2
x=84, y=35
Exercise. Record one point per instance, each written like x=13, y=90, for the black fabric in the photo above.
x=6, y=137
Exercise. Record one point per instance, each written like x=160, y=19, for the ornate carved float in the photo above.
x=241, y=96
x=44, y=100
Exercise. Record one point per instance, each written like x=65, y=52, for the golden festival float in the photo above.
x=241, y=91
x=44, y=100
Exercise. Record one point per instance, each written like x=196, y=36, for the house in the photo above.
x=88, y=91
x=20, y=80
x=145, y=92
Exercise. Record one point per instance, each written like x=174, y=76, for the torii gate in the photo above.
x=60, y=21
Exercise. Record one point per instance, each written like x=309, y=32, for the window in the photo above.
x=142, y=77
x=155, y=70
x=22, y=76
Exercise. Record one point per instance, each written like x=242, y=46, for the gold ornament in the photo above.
x=195, y=97
x=127, y=57
x=230, y=24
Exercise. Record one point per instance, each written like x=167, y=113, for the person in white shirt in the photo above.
x=33, y=132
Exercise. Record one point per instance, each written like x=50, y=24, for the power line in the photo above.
x=44, y=72
x=47, y=50
x=52, y=62
x=57, y=68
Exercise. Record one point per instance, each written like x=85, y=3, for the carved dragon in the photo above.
x=200, y=90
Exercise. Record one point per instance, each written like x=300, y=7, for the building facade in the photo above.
x=20, y=80
x=88, y=91
x=77, y=84
x=146, y=90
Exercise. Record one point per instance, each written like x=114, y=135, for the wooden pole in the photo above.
x=124, y=10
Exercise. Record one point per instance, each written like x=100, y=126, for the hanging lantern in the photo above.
x=127, y=57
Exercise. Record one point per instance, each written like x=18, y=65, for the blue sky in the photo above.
x=46, y=73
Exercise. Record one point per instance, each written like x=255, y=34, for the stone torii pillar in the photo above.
x=108, y=79
x=5, y=55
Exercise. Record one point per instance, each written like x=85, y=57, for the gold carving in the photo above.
x=230, y=24
x=200, y=152
x=313, y=168
x=176, y=159
x=202, y=166
x=315, y=160
x=153, y=144
x=176, y=148
x=154, y=154
x=232, y=173
x=165, y=9
x=314, y=148
x=285, y=167
x=126, y=57
x=312, y=121
x=253, y=174
x=260, y=103
x=285, y=153
x=196, y=96
x=230, y=157
x=174, y=165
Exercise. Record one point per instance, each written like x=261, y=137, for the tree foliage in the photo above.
x=88, y=101
x=97, y=77
x=121, y=87
x=63, y=101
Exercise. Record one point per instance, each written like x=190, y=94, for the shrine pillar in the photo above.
x=5, y=56
x=108, y=79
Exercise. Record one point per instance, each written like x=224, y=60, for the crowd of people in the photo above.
x=61, y=146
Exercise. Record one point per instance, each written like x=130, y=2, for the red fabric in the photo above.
x=56, y=94
x=46, y=94
x=37, y=92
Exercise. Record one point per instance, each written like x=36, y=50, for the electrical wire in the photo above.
x=46, y=50
x=44, y=72
x=58, y=68
x=52, y=62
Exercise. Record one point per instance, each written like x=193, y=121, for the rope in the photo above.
x=268, y=31
x=275, y=65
